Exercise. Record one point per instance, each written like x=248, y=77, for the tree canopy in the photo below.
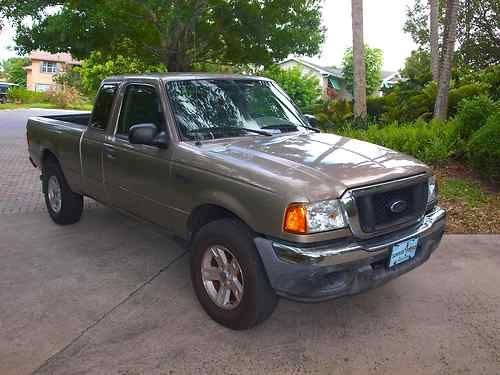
x=304, y=89
x=13, y=70
x=478, y=40
x=373, y=68
x=96, y=68
x=178, y=33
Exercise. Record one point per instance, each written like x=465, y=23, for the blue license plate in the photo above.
x=403, y=251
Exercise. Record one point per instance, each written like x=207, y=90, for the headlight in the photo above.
x=432, y=191
x=314, y=217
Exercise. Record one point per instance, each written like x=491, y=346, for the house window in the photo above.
x=41, y=87
x=49, y=67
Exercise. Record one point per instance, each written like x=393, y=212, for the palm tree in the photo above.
x=434, y=38
x=450, y=34
x=358, y=59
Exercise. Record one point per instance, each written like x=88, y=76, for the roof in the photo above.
x=331, y=70
x=62, y=57
x=182, y=76
x=387, y=74
x=325, y=70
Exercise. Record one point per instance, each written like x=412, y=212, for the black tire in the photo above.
x=71, y=206
x=259, y=298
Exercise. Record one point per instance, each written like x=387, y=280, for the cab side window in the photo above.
x=141, y=105
x=103, y=107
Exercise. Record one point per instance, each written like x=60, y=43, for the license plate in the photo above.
x=403, y=251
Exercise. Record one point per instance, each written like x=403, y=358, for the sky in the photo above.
x=383, y=28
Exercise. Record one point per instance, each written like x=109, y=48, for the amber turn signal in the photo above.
x=295, y=219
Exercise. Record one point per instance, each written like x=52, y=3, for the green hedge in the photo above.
x=429, y=142
x=23, y=95
x=473, y=114
x=483, y=149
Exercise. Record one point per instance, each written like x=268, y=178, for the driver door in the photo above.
x=137, y=177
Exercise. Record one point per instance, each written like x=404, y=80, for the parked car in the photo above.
x=4, y=87
x=270, y=206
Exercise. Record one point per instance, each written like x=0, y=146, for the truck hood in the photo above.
x=323, y=164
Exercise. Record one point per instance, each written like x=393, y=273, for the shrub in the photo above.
x=23, y=95
x=64, y=96
x=464, y=92
x=488, y=78
x=304, y=89
x=334, y=114
x=472, y=115
x=484, y=148
x=429, y=142
x=375, y=105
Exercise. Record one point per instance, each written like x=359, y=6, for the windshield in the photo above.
x=221, y=108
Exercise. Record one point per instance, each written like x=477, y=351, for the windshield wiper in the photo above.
x=289, y=126
x=229, y=129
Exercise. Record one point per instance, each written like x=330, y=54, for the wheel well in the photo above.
x=48, y=156
x=205, y=214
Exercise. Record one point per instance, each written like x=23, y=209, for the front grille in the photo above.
x=390, y=206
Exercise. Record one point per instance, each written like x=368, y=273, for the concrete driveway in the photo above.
x=111, y=295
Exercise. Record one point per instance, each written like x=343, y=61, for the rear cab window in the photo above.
x=103, y=107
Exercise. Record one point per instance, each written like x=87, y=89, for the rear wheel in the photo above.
x=228, y=276
x=64, y=206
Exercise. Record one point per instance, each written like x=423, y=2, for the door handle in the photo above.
x=109, y=152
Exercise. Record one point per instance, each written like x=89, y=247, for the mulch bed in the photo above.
x=462, y=217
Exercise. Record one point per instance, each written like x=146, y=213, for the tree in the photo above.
x=304, y=90
x=95, y=68
x=373, y=69
x=358, y=60
x=450, y=32
x=434, y=38
x=177, y=33
x=478, y=40
x=417, y=71
x=13, y=70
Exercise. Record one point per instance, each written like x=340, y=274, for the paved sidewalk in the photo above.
x=20, y=186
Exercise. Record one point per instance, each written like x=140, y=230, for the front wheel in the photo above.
x=228, y=276
x=64, y=206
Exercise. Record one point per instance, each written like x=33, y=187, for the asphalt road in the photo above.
x=111, y=295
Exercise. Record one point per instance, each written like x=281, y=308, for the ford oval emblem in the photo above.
x=398, y=206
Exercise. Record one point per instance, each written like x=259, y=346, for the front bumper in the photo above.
x=345, y=266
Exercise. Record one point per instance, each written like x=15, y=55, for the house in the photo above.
x=389, y=79
x=44, y=67
x=330, y=78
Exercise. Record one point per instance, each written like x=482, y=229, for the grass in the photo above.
x=472, y=204
x=81, y=107
x=459, y=189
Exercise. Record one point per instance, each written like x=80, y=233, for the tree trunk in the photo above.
x=358, y=59
x=434, y=38
x=177, y=62
x=450, y=34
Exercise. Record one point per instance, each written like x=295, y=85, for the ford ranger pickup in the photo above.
x=270, y=206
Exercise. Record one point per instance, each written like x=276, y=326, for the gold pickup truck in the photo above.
x=270, y=206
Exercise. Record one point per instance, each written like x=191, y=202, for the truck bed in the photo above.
x=75, y=118
x=61, y=134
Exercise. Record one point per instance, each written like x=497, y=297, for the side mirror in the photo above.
x=147, y=134
x=312, y=120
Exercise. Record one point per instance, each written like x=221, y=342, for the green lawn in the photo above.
x=461, y=190
x=81, y=107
